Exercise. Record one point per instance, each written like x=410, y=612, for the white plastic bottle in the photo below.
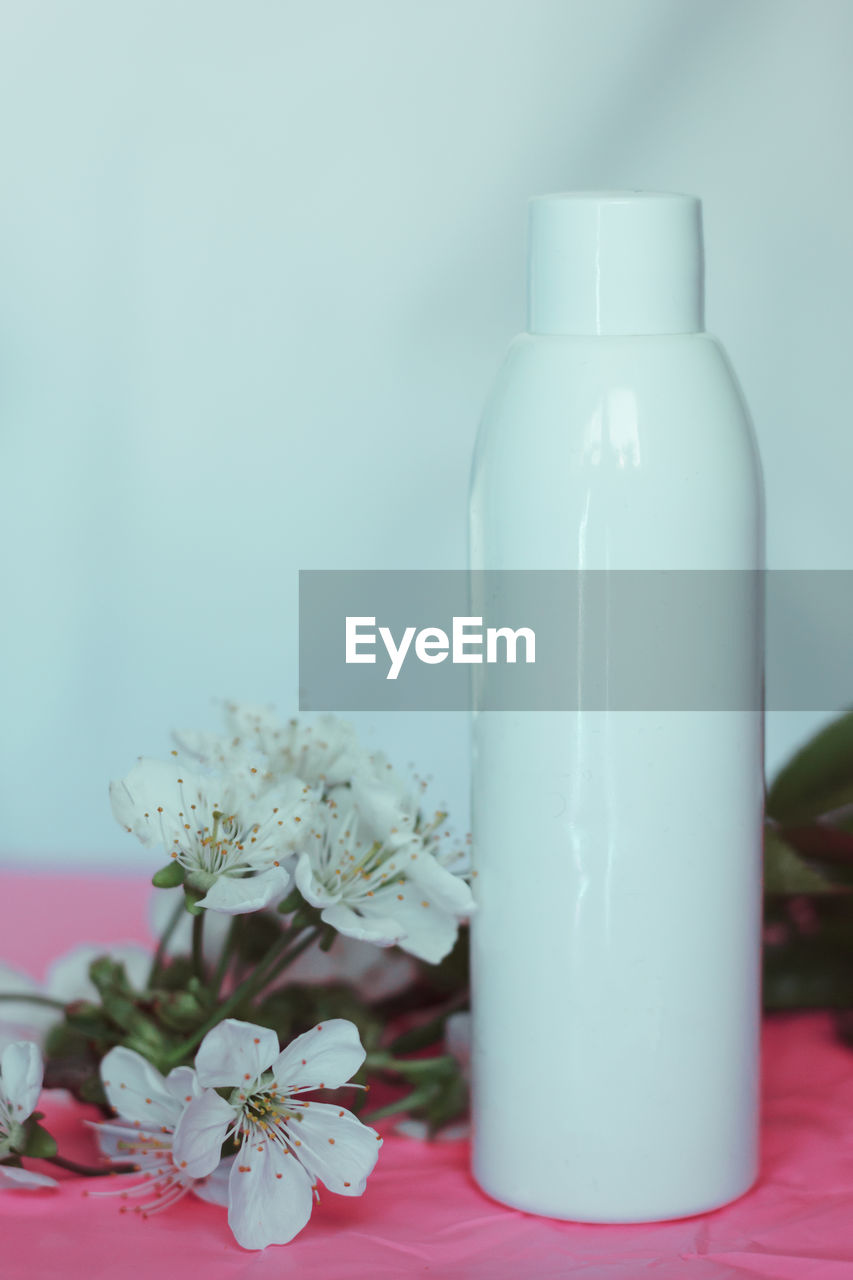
x=616, y=944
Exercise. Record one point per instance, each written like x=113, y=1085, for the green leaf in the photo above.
x=786, y=872
x=39, y=1143
x=823, y=841
x=168, y=877
x=447, y=1104
x=819, y=778
x=439, y=1093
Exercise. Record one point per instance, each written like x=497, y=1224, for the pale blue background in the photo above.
x=258, y=264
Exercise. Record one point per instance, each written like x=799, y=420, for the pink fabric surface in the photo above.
x=422, y=1215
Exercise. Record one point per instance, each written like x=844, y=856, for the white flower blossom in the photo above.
x=287, y=1143
x=23, y=1019
x=374, y=974
x=21, y=1074
x=324, y=754
x=148, y=1106
x=375, y=871
x=234, y=841
x=67, y=979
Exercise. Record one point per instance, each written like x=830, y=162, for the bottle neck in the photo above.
x=615, y=263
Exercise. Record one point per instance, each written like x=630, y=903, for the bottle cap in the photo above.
x=615, y=262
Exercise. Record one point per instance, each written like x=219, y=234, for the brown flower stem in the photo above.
x=87, y=1170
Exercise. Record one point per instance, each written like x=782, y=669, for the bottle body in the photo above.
x=616, y=942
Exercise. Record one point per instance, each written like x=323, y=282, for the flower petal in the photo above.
x=151, y=799
x=449, y=892
x=427, y=932
x=12, y=1179
x=385, y=812
x=326, y=1056
x=289, y=798
x=182, y=1085
x=136, y=1090
x=24, y=1020
x=208, y=748
x=374, y=972
x=337, y=1148
x=234, y=1053
x=235, y=896
x=327, y=751
x=269, y=1195
x=214, y=1188
x=68, y=976
x=309, y=886
x=382, y=931
x=252, y=720
x=21, y=1072
x=123, y=1142
x=197, y=1144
